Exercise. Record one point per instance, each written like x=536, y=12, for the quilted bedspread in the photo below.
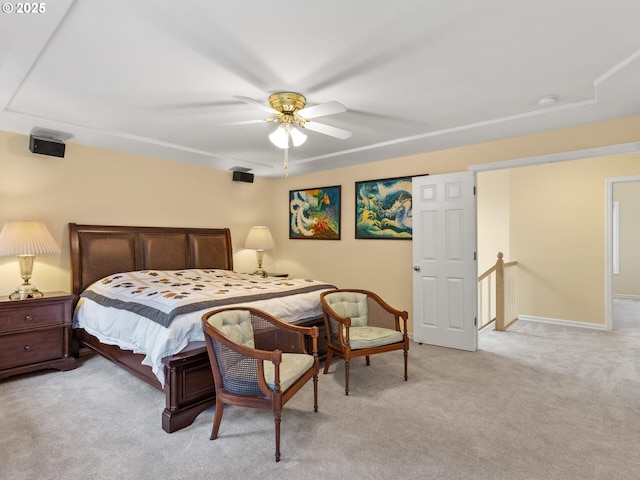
x=162, y=295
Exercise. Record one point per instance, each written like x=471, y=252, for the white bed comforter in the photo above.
x=116, y=325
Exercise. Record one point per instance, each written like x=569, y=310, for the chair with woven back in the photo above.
x=359, y=324
x=258, y=361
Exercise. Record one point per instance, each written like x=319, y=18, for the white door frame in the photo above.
x=618, y=149
x=608, y=245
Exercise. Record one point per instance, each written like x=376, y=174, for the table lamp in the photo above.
x=259, y=239
x=26, y=239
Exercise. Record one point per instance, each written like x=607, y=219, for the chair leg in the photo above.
x=406, y=363
x=368, y=361
x=346, y=377
x=277, y=418
x=327, y=362
x=315, y=393
x=217, y=418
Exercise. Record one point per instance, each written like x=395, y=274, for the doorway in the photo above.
x=557, y=217
x=623, y=255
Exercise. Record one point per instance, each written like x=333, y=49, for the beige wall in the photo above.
x=385, y=265
x=97, y=186
x=558, y=230
x=627, y=283
x=493, y=207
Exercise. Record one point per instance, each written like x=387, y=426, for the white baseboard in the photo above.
x=486, y=329
x=623, y=295
x=566, y=323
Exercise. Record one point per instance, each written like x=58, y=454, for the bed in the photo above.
x=101, y=253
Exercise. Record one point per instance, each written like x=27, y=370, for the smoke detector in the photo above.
x=547, y=101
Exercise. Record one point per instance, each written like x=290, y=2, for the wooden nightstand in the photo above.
x=35, y=334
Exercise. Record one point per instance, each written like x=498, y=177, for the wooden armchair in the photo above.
x=359, y=324
x=258, y=361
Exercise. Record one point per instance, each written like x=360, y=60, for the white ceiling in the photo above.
x=158, y=77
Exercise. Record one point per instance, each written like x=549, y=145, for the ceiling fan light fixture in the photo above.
x=288, y=110
x=297, y=137
x=287, y=102
x=280, y=137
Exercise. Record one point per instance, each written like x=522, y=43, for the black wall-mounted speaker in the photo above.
x=46, y=146
x=242, y=177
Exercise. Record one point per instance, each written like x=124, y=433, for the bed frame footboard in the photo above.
x=189, y=388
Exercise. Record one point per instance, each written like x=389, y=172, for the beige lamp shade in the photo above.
x=26, y=237
x=259, y=238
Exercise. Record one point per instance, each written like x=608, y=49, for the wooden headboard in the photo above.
x=101, y=250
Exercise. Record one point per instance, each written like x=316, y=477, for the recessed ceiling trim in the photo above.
x=460, y=128
x=137, y=138
x=619, y=149
x=615, y=69
x=485, y=123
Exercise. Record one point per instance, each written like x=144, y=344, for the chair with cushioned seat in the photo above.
x=359, y=324
x=258, y=361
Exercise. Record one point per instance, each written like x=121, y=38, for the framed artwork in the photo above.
x=384, y=209
x=314, y=213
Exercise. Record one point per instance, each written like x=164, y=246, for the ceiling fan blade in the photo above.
x=256, y=103
x=328, y=130
x=322, y=109
x=248, y=122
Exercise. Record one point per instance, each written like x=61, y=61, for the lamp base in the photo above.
x=261, y=273
x=26, y=291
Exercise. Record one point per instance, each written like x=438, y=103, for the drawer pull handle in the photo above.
x=27, y=348
x=28, y=318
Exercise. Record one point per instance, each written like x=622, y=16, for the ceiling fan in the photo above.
x=287, y=109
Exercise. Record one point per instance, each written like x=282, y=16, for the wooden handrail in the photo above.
x=487, y=273
x=498, y=269
x=494, y=267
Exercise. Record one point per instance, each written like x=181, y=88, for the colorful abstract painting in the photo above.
x=315, y=213
x=383, y=209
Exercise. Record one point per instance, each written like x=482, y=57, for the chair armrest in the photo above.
x=274, y=355
x=239, y=366
x=386, y=315
x=293, y=341
x=239, y=348
x=271, y=333
x=344, y=324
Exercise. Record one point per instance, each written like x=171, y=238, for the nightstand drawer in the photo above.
x=31, y=316
x=31, y=347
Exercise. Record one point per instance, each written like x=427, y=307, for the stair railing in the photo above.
x=497, y=295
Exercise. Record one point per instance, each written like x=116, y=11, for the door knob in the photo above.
x=416, y=268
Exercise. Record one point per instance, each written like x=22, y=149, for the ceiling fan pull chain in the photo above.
x=286, y=163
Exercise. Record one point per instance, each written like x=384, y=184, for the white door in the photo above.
x=445, y=280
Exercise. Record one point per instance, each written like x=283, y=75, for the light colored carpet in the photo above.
x=536, y=402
